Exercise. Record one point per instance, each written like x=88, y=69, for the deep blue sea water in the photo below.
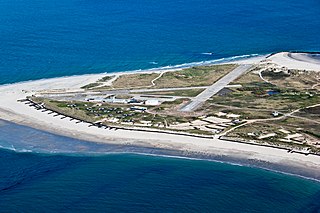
x=133, y=183
x=76, y=181
x=43, y=38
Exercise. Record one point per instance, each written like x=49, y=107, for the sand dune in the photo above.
x=300, y=61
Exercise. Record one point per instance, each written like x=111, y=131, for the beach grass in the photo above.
x=91, y=85
x=180, y=93
x=129, y=81
x=194, y=76
x=106, y=78
x=189, y=77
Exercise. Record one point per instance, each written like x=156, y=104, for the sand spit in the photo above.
x=18, y=112
x=299, y=61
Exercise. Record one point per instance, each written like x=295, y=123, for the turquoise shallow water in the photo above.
x=48, y=173
x=42, y=39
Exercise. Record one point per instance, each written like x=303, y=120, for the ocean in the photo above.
x=43, y=38
x=42, y=172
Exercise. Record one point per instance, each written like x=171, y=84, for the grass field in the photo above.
x=195, y=76
x=182, y=93
x=284, y=101
x=189, y=77
x=134, y=80
x=253, y=100
x=62, y=107
x=262, y=128
x=297, y=80
x=302, y=125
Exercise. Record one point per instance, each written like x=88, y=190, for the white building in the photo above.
x=152, y=102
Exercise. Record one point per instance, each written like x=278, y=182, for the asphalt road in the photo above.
x=193, y=105
x=215, y=88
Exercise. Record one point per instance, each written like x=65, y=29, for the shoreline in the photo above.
x=169, y=132
x=296, y=60
x=268, y=158
x=252, y=58
x=236, y=159
x=19, y=113
x=239, y=59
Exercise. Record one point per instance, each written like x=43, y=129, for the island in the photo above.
x=265, y=108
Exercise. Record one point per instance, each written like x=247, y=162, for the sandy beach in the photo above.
x=12, y=110
x=299, y=61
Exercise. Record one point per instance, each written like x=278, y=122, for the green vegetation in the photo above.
x=124, y=96
x=171, y=105
x=91, y=85
x=256, y=101
x=121, y=113
x=78, y=111
x=190, y=77
x=195, y=76
x=310, y=113
x=275, y=75
x=254, y=96
x=263, y=128
x=294, y=79
x=134, y=81
x=181, y=93
x=98, y=83
x=313, y=110
x=299, y=124
x=106, y=78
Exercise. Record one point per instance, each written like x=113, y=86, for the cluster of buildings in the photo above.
x=114, y=100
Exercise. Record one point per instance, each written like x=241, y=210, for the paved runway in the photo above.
x=215, y=88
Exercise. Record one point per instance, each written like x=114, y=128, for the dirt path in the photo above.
x=161, y=74
x=269, y=119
